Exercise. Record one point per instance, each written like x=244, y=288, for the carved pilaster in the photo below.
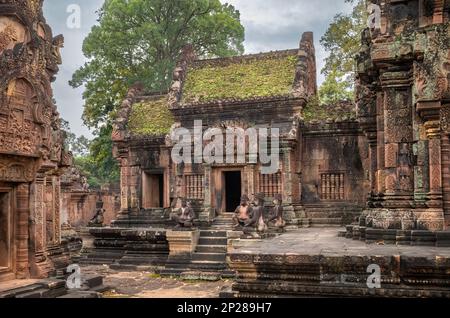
x=208, y=213
x=23, y=214
x=289, y=180
x=446, y=177
x=124, y=176
x=434, y=149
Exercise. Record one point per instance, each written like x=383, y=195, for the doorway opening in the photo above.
x=152, y=190
x=233, y=187
x=5, y=232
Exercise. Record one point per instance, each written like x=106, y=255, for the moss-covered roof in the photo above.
x=315, y=111
x=244, y=77
x=150, y=117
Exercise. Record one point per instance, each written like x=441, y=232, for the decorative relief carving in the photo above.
x=398, y=125
x=405, y=165
x=11, y=32
x=16, y=169
x=445, y=118
x=18, y=133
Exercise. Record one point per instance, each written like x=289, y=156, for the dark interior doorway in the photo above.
x=4, y=231
x=233, y=187
x=152, y=191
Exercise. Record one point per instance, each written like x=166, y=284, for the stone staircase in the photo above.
x=223, y=221
x=156, y=217
x=208, y=262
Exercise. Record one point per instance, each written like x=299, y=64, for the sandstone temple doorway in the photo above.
x=152, y=190
x=233, y=186
x=5, y=233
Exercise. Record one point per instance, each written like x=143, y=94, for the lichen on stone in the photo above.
x=245, y=78
x=150, y=117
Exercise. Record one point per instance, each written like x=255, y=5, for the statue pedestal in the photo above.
x=182, y=242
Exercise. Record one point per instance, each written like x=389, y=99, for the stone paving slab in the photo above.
x=143, y=284
x=17, y=283
x=325, y=241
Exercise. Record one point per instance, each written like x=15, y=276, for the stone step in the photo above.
x=213, y=257
x=226, y=215
x=96, y=261
x=43, y=293
x=211, y=249
x=207, y=275
x=212, y=241
x=213, y=234
x=223, y=222
x=81, y=295
x=322, y=222
x=199, y=265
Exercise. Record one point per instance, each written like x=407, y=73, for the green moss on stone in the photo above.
x=150, y=117
x=248, y=78
x=316, y=111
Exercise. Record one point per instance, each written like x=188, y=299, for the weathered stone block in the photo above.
x=182, y=242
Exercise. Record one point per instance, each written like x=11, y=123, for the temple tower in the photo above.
x=403, y=93
x=31, y=143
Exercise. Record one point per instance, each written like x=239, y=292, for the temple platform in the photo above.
x=317, y=262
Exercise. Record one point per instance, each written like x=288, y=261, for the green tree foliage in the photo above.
x=79, y=146
x=85, y=154
x=140, y=40
x=342, y=41
x=335, y=88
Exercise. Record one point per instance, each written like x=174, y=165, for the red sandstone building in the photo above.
x=322, y=150
x=31, y=144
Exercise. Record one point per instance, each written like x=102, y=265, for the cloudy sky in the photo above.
x=269, y=25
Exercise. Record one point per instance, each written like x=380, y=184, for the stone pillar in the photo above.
x=434, y=150
x=208, y=214
x=22, y=236
x=134, y=183
x=251, y=173
x=421, y=170
x=380, y=144
x=372, y=138
x=446, y=177
x=288, y=181
x=38, y=216
x=57, y=208
x=432, y=218
x=124, y=175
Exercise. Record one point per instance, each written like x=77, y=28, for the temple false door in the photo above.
x=153, y=190
x=7, y=264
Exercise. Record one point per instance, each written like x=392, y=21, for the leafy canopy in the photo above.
x=140, y=40
x=342, y=42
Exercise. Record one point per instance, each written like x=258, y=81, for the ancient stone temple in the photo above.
x=403, y=108
x=32, y=154
x=79, y=201
x=322, y=150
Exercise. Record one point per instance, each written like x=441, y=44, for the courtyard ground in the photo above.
x=141, y=284
x=325, y=241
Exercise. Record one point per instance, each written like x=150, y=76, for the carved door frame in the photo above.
x=12, y=221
